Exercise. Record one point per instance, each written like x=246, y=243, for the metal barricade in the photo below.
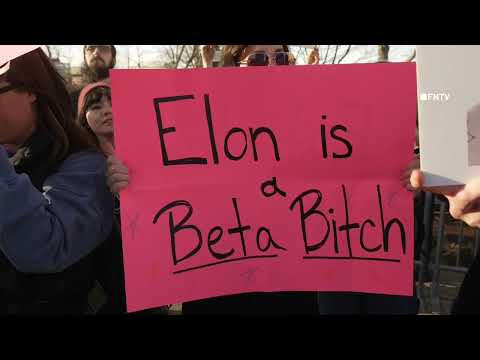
x=430, y=264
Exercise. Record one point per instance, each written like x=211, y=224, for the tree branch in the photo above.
x=346, y=52
x=410, y=59
x=326, y=55
x=335, y=55
x=180, y=56
x=194, y=53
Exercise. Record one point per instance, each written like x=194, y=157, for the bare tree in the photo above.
x=193, y=56
x=67, y=55
x=183, y=56
x=326, y=55
x=414, y=54
x=158, y=55
x=188, y=56
x=335, y=55
x=298, y=53
x=139, y=55
x=128, y=57
x=198, y=62
x=345, y=54
x=302, y=52
x=48, y=50
x=171, y=54
x=179, y=55
x=52, y=51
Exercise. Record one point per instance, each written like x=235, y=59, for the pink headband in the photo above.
x=86, y=90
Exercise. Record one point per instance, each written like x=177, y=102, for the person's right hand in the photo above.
x=118, y=176
x=465, y=203
x=208, y=53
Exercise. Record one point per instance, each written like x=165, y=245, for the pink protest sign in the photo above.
x=265, y=179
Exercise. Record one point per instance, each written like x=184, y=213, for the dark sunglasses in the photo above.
x=261, y=58
x=7, y=88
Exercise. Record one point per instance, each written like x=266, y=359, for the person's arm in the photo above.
x=314, y=57
x=47, y=232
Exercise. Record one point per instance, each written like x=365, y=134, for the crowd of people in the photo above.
x=60, y=211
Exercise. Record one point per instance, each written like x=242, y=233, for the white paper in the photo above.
x=448, y=78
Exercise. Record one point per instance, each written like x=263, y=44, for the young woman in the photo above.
x=95, y=116
x=55, y=209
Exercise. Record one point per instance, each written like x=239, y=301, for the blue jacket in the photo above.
x=47, y=232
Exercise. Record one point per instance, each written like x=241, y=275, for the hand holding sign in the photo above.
x=208, y=54
x=314, y=57
x=118, y=176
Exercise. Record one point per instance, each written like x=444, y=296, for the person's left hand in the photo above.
x=314, y=57
x=118, y=175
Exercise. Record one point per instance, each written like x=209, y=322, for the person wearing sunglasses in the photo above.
x=55, y=208
x=249, y=55
x=97, y=62
x=257, y=55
